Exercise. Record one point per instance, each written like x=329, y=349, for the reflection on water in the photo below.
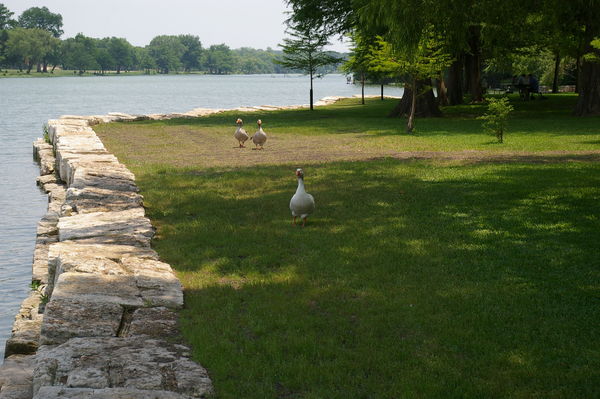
x=26, y=104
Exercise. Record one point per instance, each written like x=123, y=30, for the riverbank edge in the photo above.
x=102, y=306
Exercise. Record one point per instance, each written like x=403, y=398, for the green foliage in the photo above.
x=42, y=18
x=26, y=47
x=6, y=21
x=219, y=59
x=496, y=117
x=167, y=52
x=193, y=52
x=80, y=53
x=594, y=54
x=304, y=51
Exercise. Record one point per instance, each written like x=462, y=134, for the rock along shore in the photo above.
x=101, y=319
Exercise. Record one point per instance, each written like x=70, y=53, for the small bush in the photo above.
x=495, y=120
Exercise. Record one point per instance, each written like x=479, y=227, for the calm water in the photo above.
x=26, y=104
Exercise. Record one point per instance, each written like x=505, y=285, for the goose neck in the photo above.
x=300, y=188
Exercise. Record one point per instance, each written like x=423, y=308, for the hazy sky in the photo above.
x=237, y=23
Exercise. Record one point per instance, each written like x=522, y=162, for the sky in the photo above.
x=237, y=23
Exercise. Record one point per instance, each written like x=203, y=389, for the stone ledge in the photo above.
x=16, y=376
x=134, y=363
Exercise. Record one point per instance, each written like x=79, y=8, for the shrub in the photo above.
x=495, y=120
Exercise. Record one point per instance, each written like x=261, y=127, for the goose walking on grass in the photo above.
x=240, y=134
x=302, y=203
x=260, y=137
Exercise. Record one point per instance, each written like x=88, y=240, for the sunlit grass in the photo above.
x=419, y=279
x=348, y=130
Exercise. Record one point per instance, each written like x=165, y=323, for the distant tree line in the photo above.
x=33, y=41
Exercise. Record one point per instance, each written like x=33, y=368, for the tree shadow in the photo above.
x=411, y=278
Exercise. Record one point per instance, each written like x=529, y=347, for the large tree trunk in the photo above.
x=556, y=70
x=454, y=83
x=473, y=64
x=588, y=80
x=426, y=105
x=442, y=96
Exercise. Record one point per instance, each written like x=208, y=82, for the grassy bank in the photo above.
x=431, y=278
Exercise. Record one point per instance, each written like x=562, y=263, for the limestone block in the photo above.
x=25, y=336
x=58, y=128
x=73, y=251
x=157, y=322
x=109, y=177
x=68, y=162
x=134, y=363
x=107, y=393
x=102, y=259
x=68, y=318
x=156, y=281
x=16, y=377
x=95, y=199
x=120, y=290
x=39, y=270
x=46, y=179
x=56, y=192
x=122, y=117
x=128, y=227
x=44, y=153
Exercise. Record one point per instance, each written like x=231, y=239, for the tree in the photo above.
x=166, y=52
x=143, y=59
x=104, y=60
x=6, y=21
x=121, y=53
x=192, y=53
x=418, y=67
x=359, y=61
x=79, y=53
x=220, y=60
x=305, y=53
x=42, y=18
x=26, y=47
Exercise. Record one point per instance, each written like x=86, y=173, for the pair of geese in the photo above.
x=259, y=139
x=302, y=203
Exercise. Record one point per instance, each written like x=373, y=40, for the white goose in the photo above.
x=302, y=203
x=260, y=137
x=240, y=134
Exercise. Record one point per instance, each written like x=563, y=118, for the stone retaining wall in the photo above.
x=101, y=319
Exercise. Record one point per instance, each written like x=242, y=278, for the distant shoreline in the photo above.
x=12, y=73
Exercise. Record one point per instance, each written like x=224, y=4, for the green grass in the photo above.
x=348, y=130
x=414, y=279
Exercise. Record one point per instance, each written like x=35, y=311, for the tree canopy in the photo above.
x=495, y=37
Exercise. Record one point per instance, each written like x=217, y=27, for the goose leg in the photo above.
x=303, y=222
x=293, y=220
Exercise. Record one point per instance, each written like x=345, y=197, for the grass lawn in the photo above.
x=449, y=277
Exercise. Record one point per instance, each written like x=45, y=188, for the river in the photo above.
x=27, y=103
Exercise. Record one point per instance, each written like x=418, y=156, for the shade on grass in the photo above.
x=413, y=279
